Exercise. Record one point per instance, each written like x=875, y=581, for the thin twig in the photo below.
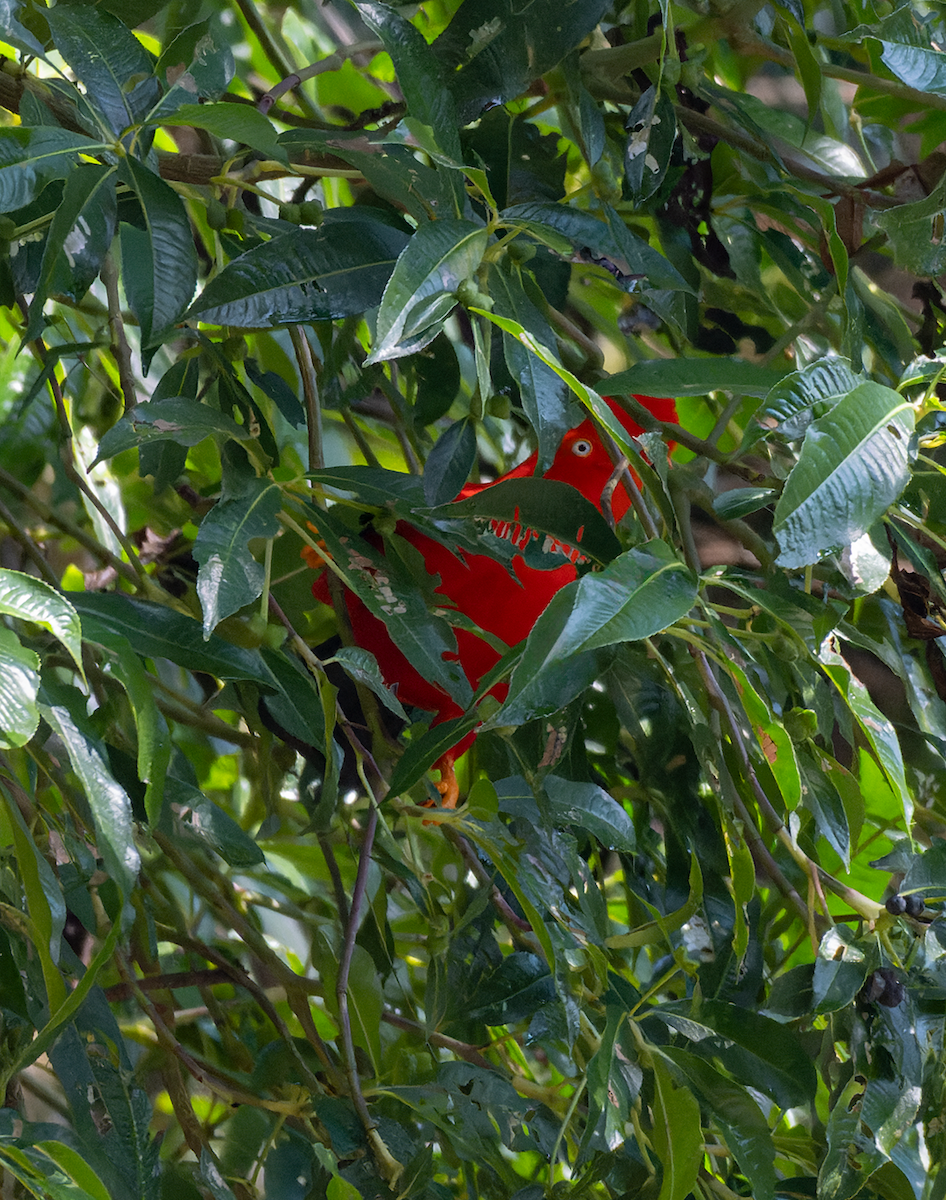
x=462, y=1050
x=116, y=323
x=310, y=390
x=338, y=887
x=332, y=62
x=389, y=1166
x=282, y=66
x=51, y=517
x=865, y=907
x=77, y=477
x=28, y=546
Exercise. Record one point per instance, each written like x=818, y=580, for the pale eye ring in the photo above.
x=582, y=448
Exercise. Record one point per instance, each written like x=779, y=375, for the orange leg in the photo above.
x=448, y=787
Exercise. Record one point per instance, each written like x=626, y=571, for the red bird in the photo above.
x=501, y=603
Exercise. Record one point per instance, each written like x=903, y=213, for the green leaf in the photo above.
x=29, y=599
x=439, y=256
x=108, y=802
x=14, y=32
x=907, y=38
x=652, y=131
x=211, y=1177
x=927, y=871
x=297, y=699
x=19, y=683
x=335, y=271
x=677, y=1134
x=44, y=899
x=609, y=239
x=186, y=422
x=154, y=742
x=203, y=49
x=160, y=263
x=772, y=124
x=106, y=56
x=393, y=171
x=420, y=75
x=390, y=592
x=740, y=502
x=235, y=122
x=915, y=231
x=132, y=1152
x=493, y=50
x=159, y=632
x=514, y=990
x=543, y=394
x=229, y=576
x=841, y=968
x=374, y=486
x=548, y=512
x=634, y=597
x=188, y=816
x=613, y=1083
x=80, y=236
x=756, y=1050
x=30, y=158
x=850, y=1158
x=423, y=752
x=827, y=795
x=590, y=807
x=76, y=1170
x=692, y=377
x=362, y=666
x=450, y=462
x=796, y=400
x=853, y=465
x=746, y=1130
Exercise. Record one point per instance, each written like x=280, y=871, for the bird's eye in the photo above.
x=582, y=448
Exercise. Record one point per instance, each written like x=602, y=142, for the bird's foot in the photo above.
x=448, y=787
x=314, y=559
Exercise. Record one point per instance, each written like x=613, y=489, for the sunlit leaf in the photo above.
x=636, y=596
x=439, y=257
x=853, y=464
x=108, y=801
x=106, y=55
x=230, y=576
x=235, y=122
x=677, y=1134
x=19, y=681
x=30, y=599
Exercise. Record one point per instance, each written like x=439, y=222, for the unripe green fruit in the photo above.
x=801, y=724
x=499, y=406
x=311, y=212
x=467, y=291
x=520, y=252
x=785, y=648
x=7, y=229
x=291, y=213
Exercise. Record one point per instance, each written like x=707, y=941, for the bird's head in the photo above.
x=583, y=461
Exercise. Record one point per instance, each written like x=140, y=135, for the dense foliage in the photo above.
x=270, y=273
